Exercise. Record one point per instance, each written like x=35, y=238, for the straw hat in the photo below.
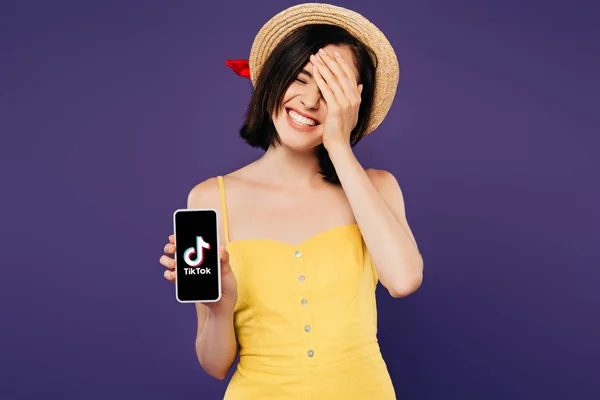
x=387, y=71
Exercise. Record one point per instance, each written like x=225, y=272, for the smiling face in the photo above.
x=299, y=122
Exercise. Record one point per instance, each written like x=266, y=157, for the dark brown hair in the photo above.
x=282, y=67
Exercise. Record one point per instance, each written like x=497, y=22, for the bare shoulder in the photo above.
x=205, y=194
x=382, y=179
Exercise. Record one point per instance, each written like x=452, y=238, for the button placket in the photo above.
x=306, y=312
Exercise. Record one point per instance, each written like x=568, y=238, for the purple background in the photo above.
x=111, y=111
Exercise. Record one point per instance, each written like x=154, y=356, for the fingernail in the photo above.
x=322, y=51
x=337, y=54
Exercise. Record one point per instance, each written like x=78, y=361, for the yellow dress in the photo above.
x=306, y=318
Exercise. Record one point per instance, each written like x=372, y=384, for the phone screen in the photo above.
x=198, y=267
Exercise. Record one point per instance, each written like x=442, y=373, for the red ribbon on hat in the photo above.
x=240, y=67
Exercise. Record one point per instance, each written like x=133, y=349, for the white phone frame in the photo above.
x=182, y=210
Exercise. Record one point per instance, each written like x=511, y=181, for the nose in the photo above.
x=311, y=97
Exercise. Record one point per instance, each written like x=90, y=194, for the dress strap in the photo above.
x=224, y=207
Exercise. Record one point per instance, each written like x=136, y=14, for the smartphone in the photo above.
x=198, y=265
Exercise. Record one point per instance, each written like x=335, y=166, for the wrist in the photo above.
x=221, y=311
x=336, y=150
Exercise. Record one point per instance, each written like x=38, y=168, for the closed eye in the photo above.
x=300, y=80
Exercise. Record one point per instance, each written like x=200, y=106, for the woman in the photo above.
x=308, y=231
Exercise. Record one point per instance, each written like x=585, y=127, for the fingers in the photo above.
x=325, y=73
x=169, y=248
x=334, y=63
x=324, y=88
x=170, y=275
x=345, y=67
x=168, y=262
x=224, y=254
x=339, y=75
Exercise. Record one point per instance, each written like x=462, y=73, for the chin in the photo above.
x=294, y=141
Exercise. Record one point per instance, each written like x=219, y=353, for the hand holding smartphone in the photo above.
x=198, y=263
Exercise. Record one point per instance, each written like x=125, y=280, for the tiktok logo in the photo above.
x=200, y=245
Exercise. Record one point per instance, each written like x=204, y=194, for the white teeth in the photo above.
x=299, y=119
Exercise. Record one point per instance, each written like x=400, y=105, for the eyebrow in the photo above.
x=306, y=73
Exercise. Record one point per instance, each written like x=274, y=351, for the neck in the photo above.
x=286, y=167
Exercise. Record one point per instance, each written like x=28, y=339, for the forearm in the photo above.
x=216, y=346
x=394, y=252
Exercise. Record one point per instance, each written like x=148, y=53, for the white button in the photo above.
x=301, y=278
x=307, y=328
x=304, y=302
x=311, y=353
x=298, y=254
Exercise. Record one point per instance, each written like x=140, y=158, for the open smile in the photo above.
x=300, y=122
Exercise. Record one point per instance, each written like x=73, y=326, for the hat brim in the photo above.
x=387, y=71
